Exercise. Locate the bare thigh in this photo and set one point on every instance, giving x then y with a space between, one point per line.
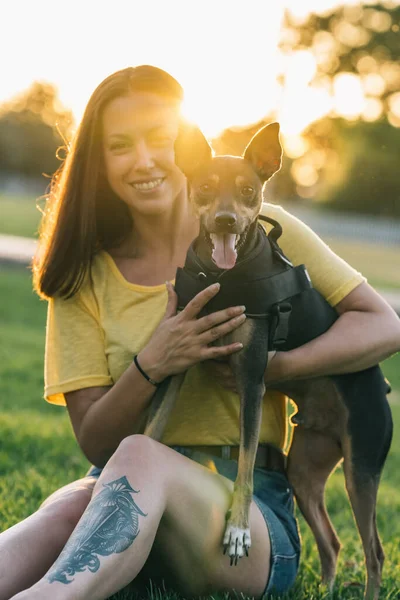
188 550
71 500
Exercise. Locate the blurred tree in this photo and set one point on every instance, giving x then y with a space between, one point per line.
351 163
361 174
32 127
362 40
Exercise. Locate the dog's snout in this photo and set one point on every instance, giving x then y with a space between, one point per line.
225 219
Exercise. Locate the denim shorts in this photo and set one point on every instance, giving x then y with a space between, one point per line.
274 497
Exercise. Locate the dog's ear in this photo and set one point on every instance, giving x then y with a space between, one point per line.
191 149
264 151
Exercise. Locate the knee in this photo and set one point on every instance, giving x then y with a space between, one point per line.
138 451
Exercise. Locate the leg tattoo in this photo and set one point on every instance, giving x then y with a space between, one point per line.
110 525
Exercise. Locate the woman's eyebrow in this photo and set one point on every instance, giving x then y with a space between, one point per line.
162 126
119 135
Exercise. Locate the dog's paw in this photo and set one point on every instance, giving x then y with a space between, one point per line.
236 542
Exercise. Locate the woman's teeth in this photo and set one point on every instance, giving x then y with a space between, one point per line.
148 185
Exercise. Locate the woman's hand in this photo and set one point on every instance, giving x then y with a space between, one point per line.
182 340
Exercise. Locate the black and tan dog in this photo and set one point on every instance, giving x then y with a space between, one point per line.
340 417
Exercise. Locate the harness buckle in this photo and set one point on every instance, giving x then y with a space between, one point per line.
280 325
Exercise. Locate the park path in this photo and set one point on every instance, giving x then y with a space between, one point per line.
14 249
20 250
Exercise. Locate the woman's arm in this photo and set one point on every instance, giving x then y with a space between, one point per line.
366 332
103 416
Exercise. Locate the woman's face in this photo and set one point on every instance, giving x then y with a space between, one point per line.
139 131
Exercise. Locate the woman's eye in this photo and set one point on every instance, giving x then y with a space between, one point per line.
119 146
247 190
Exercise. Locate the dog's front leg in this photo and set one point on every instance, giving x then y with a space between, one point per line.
161 405
237 538
249 367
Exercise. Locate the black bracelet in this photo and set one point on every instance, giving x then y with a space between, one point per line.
139 368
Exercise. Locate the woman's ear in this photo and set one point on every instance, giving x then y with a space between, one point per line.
264 151
191 149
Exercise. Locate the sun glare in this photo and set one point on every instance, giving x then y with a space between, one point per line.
301 101
236 107
230 66
348 99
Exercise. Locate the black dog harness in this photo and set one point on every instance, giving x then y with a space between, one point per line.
265 296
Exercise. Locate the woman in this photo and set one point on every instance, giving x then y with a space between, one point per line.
119 225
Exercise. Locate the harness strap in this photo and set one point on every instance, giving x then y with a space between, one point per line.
258 296
273 237
276 230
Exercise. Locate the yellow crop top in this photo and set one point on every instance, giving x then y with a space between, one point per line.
92 337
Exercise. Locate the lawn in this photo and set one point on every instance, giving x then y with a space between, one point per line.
38 452
19 215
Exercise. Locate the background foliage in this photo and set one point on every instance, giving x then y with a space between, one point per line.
343 161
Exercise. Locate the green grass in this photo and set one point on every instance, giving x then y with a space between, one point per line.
38 453
19 215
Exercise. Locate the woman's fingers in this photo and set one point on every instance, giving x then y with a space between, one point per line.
195 306
215 352
222 316
220 330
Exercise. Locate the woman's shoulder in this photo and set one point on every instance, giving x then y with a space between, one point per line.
92 283
269 210
277 212
290 224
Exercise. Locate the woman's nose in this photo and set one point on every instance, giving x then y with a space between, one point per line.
144 159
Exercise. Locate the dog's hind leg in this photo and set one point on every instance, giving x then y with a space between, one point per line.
311 459
362 489
365 448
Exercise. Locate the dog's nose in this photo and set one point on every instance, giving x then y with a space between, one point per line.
225 219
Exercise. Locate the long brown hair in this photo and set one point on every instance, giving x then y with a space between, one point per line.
83 214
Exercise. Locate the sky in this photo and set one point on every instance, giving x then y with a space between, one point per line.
223 52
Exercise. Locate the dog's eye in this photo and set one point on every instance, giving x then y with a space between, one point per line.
247 190
206 188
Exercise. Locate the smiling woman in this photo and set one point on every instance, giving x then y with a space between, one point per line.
129 141
139 133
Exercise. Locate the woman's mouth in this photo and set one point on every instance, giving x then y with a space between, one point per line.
144 186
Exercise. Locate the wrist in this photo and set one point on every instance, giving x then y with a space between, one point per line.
149 366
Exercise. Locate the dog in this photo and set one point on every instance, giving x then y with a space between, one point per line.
342 417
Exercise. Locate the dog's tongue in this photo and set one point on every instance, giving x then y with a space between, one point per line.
224 253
